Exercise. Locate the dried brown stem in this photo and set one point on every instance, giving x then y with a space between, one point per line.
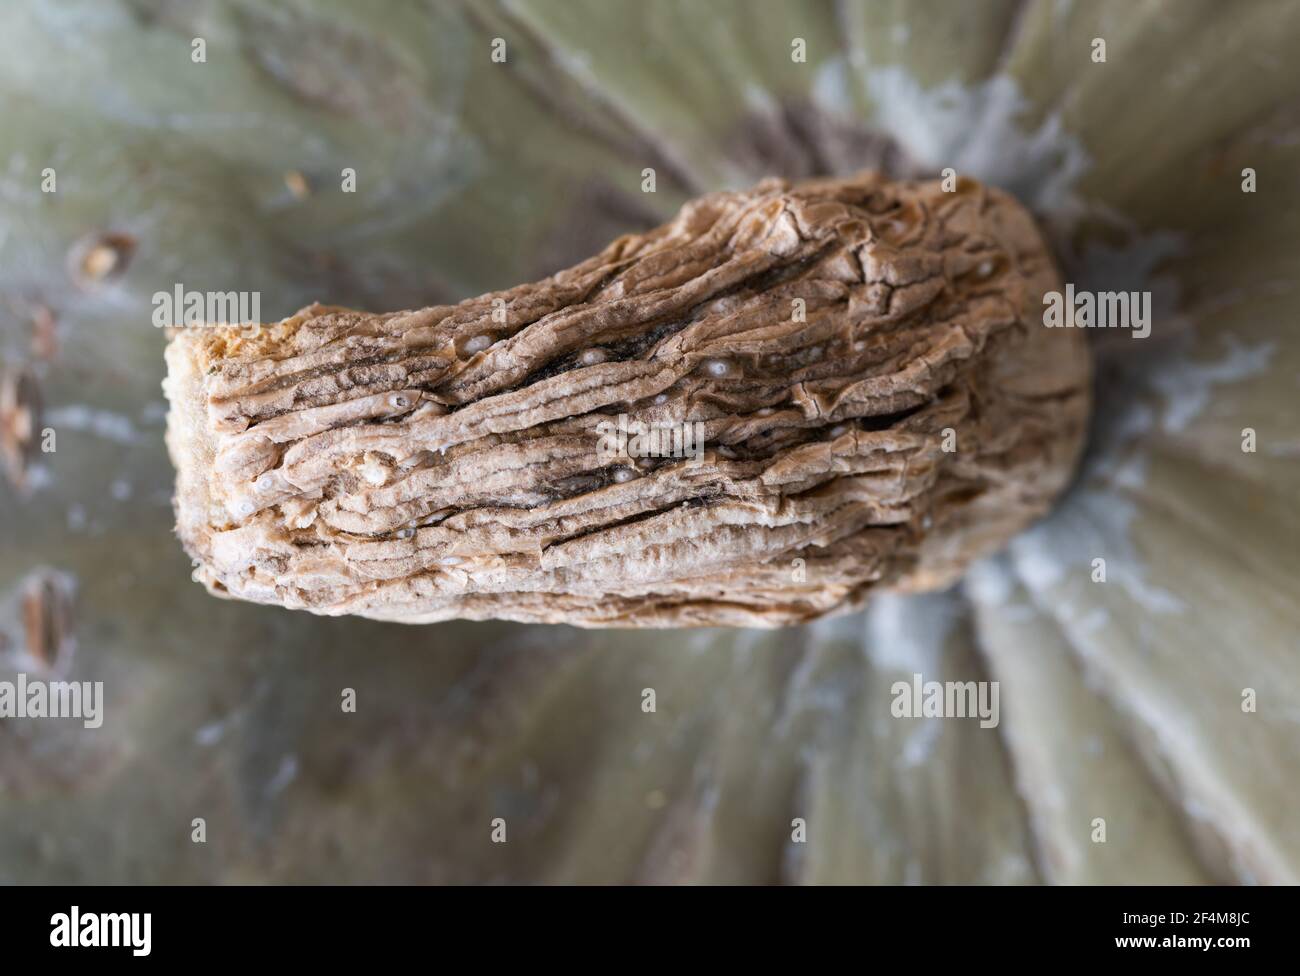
446 462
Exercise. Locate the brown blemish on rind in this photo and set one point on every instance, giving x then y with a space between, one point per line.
45 607
100 257
20 423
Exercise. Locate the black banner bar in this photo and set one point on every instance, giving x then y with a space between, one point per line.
336 925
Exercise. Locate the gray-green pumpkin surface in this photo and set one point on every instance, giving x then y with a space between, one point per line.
1143 636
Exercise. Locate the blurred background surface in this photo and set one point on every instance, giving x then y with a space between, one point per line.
1121 701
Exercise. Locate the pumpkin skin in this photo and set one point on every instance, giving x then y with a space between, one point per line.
1121 700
